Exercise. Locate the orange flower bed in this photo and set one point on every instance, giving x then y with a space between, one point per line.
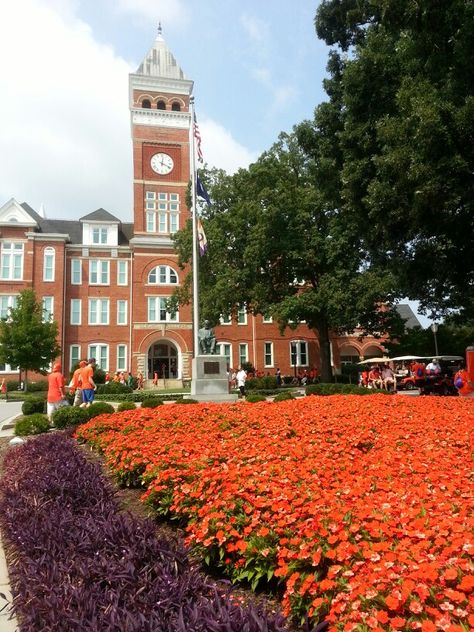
361 508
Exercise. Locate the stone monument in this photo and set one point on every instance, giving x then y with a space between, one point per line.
210 381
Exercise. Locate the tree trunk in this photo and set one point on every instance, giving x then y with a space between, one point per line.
324 350
25 387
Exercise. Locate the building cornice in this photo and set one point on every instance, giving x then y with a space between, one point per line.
147 241
161 84
48 236
160 118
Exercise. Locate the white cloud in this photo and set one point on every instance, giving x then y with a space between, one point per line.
221 150
65 134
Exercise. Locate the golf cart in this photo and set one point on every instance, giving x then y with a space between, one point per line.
441 383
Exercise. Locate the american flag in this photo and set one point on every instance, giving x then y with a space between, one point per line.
197 136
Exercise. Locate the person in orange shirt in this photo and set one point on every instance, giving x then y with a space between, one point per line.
375 378
75 385
464 383
87 383
56 395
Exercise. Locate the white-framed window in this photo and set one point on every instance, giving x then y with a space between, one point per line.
48 309
6 368
225 319
268 354
122 272
99 272
225 349
298 353
162 212
157 310
122 306
243 353
6 304
99 235
163 275
121 357
267 319
76 309
76 272
74 355
11 268
49 258
98 311
242 316
101 355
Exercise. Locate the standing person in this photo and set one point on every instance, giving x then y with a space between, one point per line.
463 382
56 394
3 389
75 384
278 377
87 383
241 378
140 381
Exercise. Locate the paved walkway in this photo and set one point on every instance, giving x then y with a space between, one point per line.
8 412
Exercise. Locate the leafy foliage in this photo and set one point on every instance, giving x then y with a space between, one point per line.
31 425
125 406
283 395
402 106
151 402
113 387
99 408
253 398
83 565
33 405
69 416
25 340
341 389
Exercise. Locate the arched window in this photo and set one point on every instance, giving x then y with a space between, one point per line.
163 275
146 104
176 106
161 105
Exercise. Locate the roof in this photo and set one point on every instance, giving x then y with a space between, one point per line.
160 61
408 316
100 215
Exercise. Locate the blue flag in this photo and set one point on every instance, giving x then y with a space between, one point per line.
201 191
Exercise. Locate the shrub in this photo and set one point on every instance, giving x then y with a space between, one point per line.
152 402
70 416
31 425
187 400
113 388
40 385
33 405
283 395
255 397
99 408
125 406
267 382
341 389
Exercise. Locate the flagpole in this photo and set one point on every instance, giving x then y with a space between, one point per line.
195 263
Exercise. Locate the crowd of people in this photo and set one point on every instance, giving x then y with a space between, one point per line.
378 376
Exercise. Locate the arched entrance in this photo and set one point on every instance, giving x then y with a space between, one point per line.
164 360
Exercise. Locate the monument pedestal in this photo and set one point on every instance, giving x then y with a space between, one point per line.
210 382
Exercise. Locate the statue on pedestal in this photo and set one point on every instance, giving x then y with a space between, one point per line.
207 340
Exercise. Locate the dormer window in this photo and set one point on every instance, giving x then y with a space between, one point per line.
99 235
161 105
176 106
146 103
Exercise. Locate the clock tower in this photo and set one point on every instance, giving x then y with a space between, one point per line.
159 96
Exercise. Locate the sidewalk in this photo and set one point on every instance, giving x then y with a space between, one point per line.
8 412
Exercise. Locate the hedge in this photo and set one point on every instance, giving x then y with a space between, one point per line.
31 425
341 389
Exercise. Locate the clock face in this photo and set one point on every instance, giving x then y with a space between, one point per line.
162 163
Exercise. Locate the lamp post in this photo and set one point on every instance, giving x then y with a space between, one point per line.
434 329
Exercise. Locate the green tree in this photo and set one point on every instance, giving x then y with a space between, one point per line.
25 340
278 248
405 137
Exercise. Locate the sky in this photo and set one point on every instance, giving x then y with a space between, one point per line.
65 139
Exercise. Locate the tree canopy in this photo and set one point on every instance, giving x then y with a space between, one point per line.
26 341
401 83
278 248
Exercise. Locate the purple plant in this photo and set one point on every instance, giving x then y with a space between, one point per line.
77 563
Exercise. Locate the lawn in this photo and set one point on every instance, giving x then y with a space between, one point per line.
358 509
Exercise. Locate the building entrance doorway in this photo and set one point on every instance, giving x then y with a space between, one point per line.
163 361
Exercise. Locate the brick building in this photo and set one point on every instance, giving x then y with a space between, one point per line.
106 282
